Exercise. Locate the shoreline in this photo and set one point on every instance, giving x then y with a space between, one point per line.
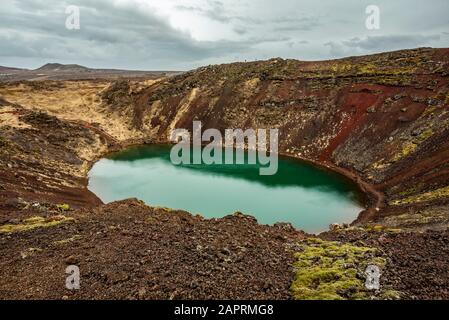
372 199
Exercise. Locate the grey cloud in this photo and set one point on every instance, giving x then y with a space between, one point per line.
296 24
108 33
216 11
291 44
338 50
240 30
390 42
120 34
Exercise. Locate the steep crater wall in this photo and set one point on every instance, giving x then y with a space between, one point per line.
383 118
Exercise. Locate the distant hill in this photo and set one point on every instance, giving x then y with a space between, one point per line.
55 67
10 70
58 71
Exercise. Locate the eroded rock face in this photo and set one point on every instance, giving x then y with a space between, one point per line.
45 158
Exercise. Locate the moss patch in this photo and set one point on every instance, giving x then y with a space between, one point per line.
369 228
380 228
427 196
410 146
29 252
424 217
33 223
332 271
68 240
63 207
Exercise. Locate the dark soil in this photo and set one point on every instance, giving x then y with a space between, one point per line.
126 250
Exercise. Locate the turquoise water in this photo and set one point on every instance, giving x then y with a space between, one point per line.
309 198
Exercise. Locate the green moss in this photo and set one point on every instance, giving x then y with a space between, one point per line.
391 295
429 110
68 240
410 146
341 68
422 197
33 223
367 69
329 271
375 68
29 252
423 216
409 191
370 228
63 207
406 149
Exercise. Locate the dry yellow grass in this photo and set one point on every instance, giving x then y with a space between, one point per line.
74 101
8 117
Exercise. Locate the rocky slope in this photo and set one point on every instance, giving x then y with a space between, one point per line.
382 120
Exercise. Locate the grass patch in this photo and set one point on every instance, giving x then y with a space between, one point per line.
370 228
333 271
68 240
63 207
33 223
29 252
427 196
410 146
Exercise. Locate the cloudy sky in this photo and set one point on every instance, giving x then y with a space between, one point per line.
184 34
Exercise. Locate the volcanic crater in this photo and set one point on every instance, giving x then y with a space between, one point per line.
381 120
